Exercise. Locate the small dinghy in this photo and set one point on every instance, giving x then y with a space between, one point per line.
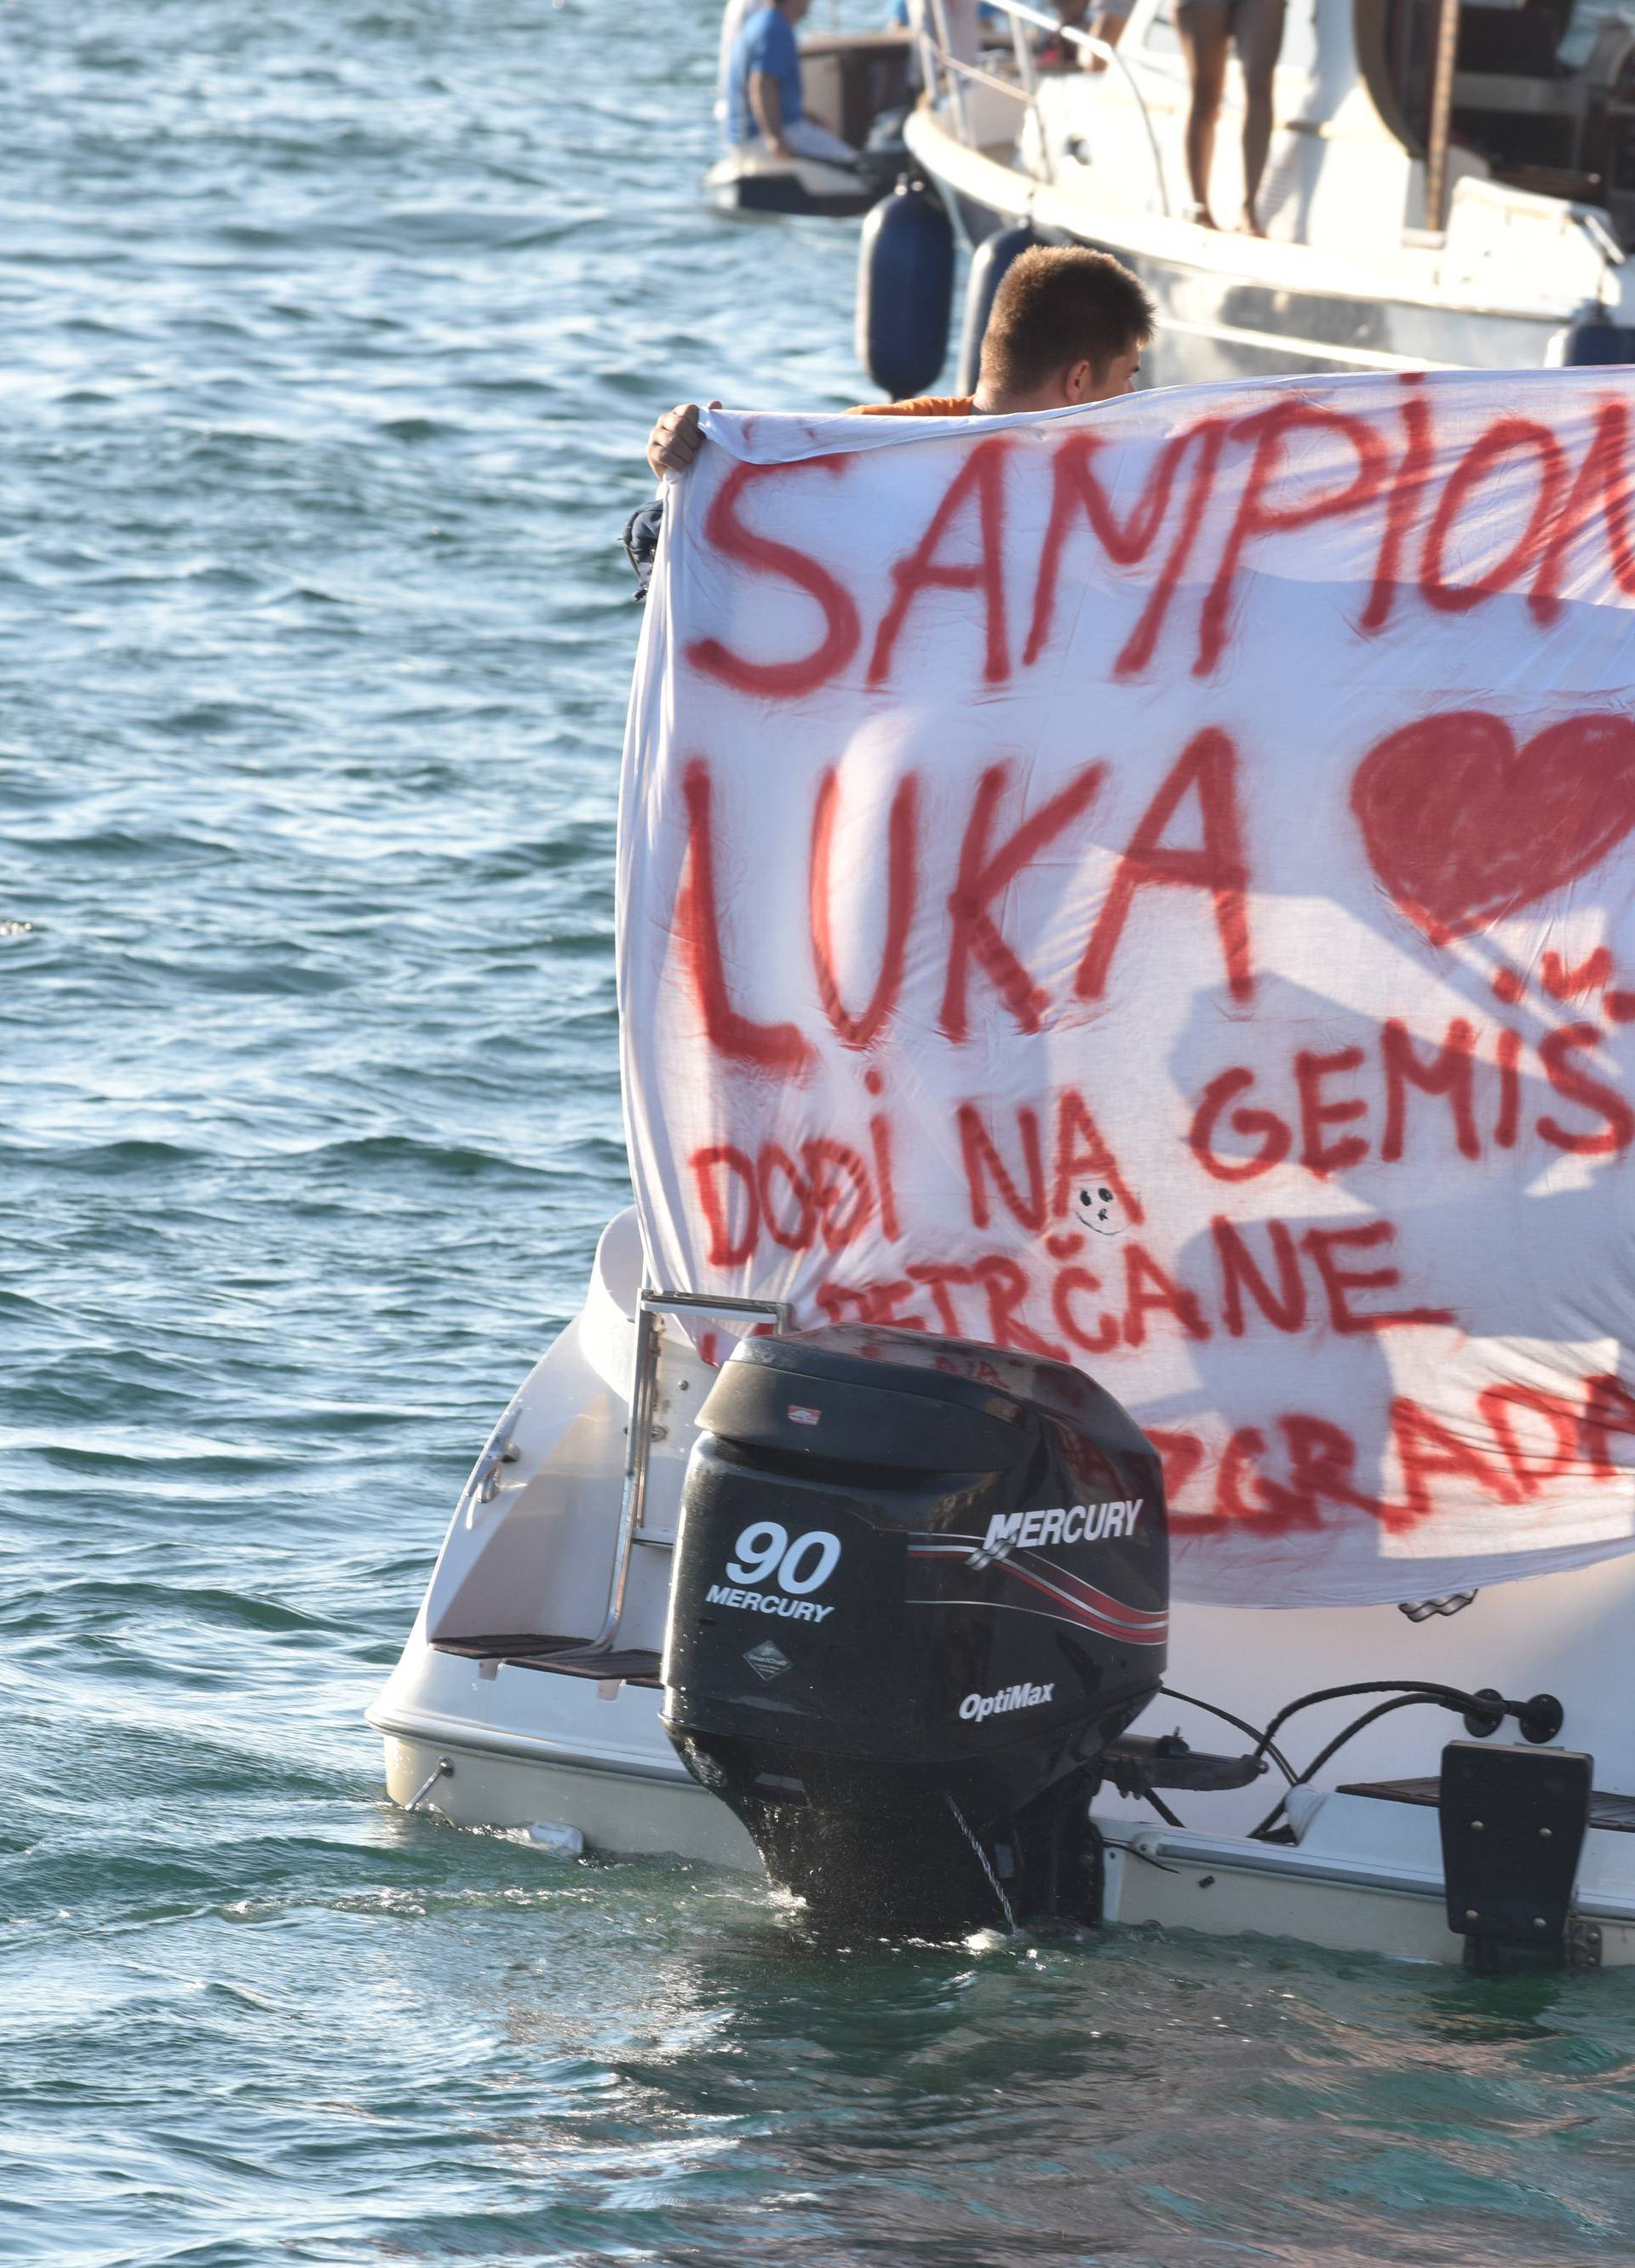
856 84
755 182
1117 1398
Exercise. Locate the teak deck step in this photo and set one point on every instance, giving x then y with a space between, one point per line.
570 1657
1614 1812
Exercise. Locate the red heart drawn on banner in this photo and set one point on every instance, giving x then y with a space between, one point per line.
1462 825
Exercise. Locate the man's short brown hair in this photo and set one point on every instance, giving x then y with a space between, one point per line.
1059 304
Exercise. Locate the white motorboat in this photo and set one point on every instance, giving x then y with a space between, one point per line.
1449 187
627 1637
531 1688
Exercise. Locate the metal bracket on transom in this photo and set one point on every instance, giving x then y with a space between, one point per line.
1513 1825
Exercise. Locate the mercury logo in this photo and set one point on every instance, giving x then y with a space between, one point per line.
978 1706
1073 1523
768 1602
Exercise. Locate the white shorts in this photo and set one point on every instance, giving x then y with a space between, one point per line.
808 139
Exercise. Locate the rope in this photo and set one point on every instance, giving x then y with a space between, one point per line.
994 1883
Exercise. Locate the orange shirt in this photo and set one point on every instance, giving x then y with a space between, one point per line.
924 405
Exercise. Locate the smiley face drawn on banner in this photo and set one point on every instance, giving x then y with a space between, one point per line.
1098 1207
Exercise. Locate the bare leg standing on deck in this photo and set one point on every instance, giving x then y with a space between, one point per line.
1203 27
1257 35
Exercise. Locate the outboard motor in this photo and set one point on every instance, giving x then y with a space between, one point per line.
920 1586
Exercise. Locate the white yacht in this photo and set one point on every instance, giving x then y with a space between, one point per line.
1449 186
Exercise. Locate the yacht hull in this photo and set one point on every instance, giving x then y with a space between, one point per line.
1216 318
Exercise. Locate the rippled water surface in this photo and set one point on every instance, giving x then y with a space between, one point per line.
331 331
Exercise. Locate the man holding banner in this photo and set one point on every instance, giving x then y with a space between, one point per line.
1192 935
1067 328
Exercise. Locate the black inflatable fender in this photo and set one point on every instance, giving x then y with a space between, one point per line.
990 265
1595 343
905 290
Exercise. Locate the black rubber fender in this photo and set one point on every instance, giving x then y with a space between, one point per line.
905 290
1596 344
990 265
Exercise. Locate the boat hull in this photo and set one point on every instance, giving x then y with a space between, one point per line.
618 1808
746 183
528 1743
1364 1878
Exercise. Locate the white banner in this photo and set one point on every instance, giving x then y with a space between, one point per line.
1153 885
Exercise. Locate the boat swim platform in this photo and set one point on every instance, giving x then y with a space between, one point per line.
1615 1813
569 1657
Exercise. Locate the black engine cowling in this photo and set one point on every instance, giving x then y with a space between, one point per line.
920 1586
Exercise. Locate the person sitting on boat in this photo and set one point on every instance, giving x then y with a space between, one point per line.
734 17
1066 328
1207 28
763 105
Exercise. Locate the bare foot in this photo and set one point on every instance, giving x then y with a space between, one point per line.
1250 224
1201 217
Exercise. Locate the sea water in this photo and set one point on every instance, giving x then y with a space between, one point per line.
331 332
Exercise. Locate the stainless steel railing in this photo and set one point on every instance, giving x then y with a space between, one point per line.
650 1306
946 74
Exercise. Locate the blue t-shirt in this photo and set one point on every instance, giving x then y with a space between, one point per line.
766 43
